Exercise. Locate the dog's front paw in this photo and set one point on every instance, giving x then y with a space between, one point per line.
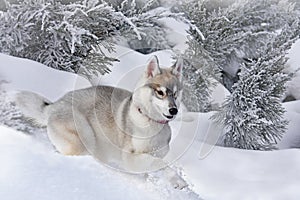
178 183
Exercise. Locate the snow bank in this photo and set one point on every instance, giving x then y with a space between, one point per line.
292 137
228 173
23 74
31 171
293 55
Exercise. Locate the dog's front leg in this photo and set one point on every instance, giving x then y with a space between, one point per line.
146 163
142 162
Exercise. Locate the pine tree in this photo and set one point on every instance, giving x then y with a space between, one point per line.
253 115
146 33
199 76
230 35
75 36
63 36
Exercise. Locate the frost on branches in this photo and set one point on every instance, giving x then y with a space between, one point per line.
232 35
144 31
75 36
61 36
253 115
199 74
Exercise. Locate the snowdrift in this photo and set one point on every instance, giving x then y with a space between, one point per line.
24 74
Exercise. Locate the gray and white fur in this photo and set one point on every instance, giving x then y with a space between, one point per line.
126 130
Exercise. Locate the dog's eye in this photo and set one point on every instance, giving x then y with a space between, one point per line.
160 93
175 94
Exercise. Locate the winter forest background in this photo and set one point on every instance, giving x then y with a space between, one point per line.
240 44
241 93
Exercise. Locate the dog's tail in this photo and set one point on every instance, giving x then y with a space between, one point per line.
33 106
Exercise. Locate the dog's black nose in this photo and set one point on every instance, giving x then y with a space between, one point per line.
173 111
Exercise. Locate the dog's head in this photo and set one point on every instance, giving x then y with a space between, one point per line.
159 91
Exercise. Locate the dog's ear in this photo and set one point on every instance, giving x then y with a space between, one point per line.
177 68
153 67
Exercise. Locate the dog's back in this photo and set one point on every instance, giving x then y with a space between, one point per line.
40 108
89 100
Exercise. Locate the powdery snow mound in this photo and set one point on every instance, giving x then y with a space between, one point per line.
24 74
32 171
293 55
235 174
291 138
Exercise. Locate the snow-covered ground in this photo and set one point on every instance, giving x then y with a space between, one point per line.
31 169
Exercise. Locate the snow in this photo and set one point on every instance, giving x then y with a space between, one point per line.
23 74
293 55
240 174
176 34
31 169
293 64
292 137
